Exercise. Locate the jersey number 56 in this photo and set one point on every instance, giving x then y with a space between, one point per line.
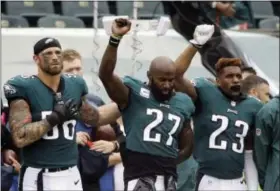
68 129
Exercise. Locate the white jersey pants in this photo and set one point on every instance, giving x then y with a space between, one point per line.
69 179
211 183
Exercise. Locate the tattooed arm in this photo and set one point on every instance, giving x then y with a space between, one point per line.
89 114
23 131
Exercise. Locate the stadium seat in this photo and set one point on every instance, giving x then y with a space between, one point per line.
56 21
125 8
29 8
151 10
8 21
261 10
84 10
271 23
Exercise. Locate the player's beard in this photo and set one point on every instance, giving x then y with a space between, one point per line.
52 70
156 91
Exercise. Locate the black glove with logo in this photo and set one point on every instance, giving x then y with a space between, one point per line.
63 112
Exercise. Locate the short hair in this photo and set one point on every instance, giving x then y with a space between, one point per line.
252 82
70 55
249 69
226 62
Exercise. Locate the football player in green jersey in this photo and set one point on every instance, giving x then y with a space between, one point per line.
257 87
43 113
267 145
222 120
156 119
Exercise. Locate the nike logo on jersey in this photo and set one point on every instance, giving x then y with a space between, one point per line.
232 111
76 182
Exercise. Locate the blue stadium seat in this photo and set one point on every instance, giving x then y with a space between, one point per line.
8 21
57 21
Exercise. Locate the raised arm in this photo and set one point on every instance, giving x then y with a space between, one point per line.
88 113
115 88
201 35
23 131
185 143
182 63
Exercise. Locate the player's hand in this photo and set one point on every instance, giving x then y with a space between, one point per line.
82 138
202 34
63 112
121 26
103 146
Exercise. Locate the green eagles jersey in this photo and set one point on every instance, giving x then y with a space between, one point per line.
152 127
58 147
267 145
220 127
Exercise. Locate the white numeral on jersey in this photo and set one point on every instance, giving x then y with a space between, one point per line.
156 122
222 128
245 127
67 127
214 135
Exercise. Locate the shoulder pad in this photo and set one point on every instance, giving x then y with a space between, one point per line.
131 82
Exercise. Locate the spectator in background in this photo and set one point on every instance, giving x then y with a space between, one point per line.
248 71
230 15
257 87
72 63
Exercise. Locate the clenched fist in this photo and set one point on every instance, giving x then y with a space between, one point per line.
121 26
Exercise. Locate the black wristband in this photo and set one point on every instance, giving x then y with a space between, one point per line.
53 119
114 41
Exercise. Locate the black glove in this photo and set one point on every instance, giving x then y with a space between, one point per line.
63 112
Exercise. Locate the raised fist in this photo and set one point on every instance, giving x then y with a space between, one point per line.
120 26
202 34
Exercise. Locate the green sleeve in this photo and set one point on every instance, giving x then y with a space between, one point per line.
84 87
15 88
262 142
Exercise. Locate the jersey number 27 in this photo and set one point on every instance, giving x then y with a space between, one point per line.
159 119
222 128
67 127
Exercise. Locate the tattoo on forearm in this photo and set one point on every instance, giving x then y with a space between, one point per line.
23 131
89 114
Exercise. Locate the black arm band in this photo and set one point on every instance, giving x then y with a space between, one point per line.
114 41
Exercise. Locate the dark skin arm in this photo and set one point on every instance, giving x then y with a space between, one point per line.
182 63
23 131
89 114
115 88
185 143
